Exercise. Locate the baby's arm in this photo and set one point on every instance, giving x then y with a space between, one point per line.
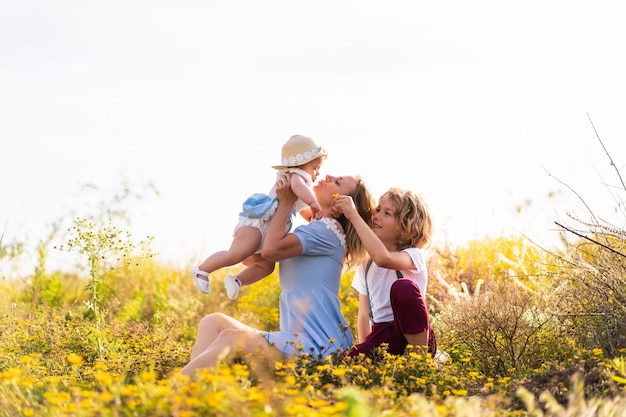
304 193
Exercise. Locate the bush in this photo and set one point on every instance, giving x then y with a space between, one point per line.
590 296
503 327
491 302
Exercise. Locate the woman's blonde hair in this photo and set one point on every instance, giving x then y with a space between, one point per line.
365 203
412 216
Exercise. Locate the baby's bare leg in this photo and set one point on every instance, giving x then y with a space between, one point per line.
245 243
257 271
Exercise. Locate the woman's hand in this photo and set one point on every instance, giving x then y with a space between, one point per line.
279 244
284 193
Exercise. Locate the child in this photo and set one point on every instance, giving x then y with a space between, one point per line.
301 156
392 284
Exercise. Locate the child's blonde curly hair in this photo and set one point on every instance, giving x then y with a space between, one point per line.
412 216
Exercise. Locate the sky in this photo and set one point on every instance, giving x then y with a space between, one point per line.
487 108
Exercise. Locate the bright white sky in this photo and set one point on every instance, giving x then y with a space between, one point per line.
478 105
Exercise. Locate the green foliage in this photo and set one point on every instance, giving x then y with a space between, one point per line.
258 303
52 289
349 300
619 364
577 404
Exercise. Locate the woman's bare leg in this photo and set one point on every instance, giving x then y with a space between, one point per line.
221 337
209 329
228 343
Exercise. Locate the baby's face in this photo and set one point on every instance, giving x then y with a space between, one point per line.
313 167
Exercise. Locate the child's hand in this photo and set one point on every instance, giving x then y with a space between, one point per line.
316 210
344 204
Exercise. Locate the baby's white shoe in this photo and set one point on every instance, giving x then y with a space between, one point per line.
203 284
232 285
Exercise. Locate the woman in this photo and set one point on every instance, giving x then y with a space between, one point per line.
311 263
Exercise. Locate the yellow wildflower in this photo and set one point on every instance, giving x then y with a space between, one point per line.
74 359
24 360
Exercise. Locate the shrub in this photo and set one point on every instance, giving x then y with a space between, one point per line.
503 327
590 297
491 302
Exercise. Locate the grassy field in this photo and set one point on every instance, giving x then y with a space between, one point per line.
528 332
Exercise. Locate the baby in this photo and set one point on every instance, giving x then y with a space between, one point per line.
302 157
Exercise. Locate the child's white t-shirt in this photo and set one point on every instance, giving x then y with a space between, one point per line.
379 281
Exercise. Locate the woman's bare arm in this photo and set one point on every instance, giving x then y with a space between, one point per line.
279 244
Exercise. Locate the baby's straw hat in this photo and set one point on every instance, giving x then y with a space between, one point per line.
299 150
